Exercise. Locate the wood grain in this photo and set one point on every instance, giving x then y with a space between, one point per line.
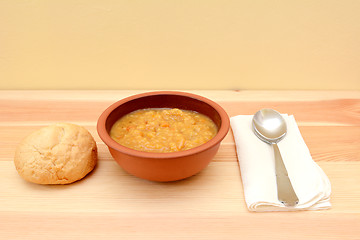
111 204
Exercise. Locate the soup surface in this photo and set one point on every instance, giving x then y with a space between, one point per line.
163 130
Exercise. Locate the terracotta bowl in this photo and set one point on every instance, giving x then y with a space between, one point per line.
163 167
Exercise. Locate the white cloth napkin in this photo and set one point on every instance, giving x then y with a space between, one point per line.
256 161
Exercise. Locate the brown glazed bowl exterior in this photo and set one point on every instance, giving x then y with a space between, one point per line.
163 167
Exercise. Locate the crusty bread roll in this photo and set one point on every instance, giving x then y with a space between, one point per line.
58 154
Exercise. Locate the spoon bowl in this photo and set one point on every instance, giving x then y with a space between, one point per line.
269 125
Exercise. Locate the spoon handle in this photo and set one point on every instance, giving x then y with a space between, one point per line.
286 193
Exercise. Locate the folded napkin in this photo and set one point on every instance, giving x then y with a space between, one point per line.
256 161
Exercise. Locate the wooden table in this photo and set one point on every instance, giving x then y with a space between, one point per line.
111 204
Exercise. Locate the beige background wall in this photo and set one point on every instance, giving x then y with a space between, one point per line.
162 44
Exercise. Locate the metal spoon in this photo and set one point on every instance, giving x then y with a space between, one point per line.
270 127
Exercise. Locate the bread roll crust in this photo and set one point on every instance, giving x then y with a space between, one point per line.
58 154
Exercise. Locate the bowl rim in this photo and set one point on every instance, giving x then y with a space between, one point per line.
105 137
